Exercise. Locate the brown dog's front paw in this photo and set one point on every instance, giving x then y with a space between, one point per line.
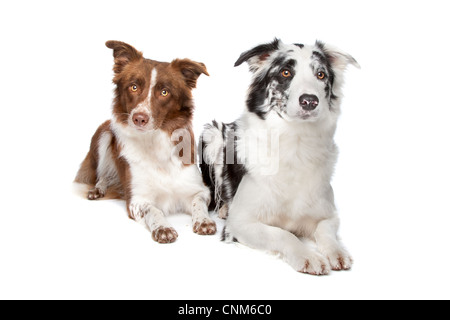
95 194
205 227
164 235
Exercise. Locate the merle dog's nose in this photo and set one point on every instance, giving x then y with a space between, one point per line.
309 102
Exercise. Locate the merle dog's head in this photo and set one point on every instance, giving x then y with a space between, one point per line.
297 82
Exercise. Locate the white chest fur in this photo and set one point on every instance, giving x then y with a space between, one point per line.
158 175
293 182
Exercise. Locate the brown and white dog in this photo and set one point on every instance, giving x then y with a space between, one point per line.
136 156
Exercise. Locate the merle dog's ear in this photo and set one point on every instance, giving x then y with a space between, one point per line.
257 55
123 54
337 58
190 70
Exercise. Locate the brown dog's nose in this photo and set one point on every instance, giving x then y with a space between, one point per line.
140 119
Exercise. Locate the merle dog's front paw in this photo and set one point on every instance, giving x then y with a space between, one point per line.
340 260
311 263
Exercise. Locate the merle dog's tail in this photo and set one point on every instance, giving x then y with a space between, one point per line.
211 163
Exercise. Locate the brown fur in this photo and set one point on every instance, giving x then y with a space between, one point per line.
169 113
88 169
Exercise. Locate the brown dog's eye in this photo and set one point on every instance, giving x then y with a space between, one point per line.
321 75
286 73
164 92
134 88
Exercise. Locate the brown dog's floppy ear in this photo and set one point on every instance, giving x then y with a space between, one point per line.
190 70
123 54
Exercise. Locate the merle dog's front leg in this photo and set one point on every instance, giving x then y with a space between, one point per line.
329 245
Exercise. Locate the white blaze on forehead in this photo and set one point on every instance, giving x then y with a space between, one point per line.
305 81
153 80
144 106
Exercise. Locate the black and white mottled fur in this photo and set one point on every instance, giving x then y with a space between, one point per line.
269 172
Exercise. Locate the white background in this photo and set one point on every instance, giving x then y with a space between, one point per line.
391 181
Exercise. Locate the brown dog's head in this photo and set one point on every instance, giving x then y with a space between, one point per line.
153 95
